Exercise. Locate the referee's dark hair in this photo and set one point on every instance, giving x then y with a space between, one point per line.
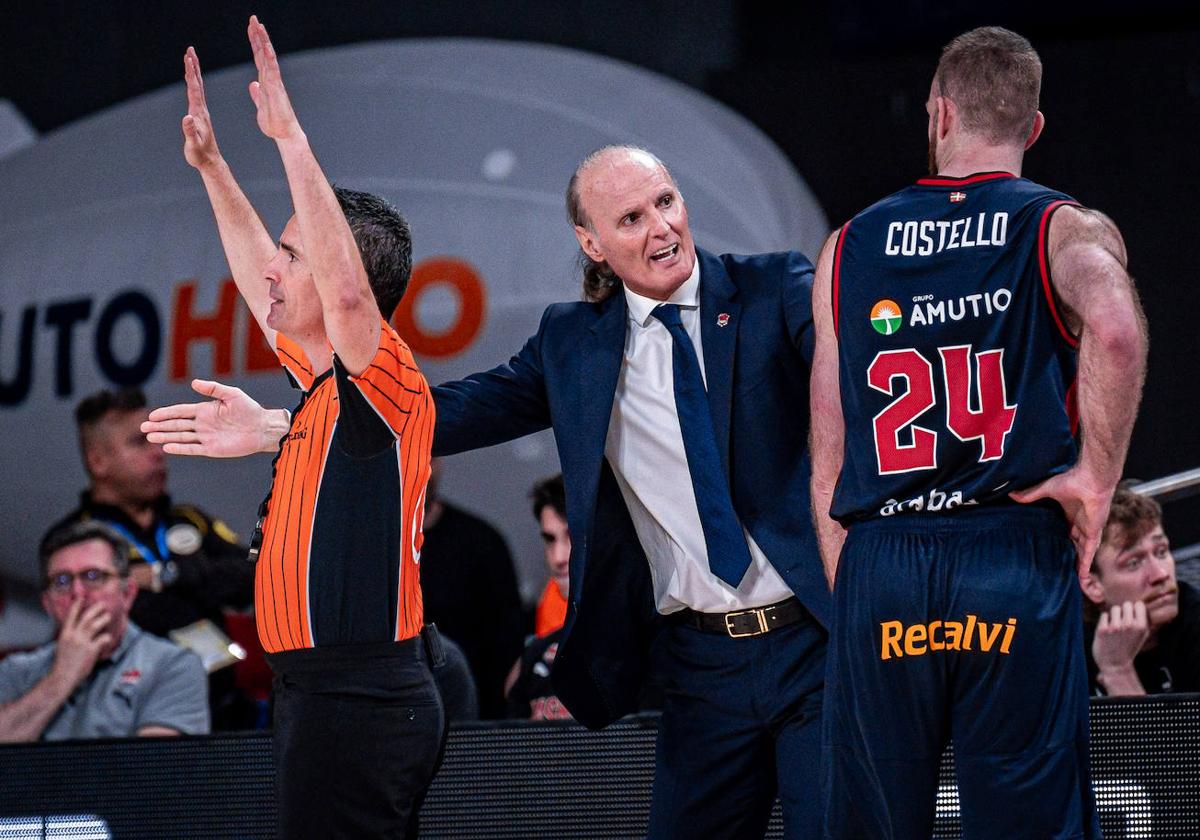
549 492
384 242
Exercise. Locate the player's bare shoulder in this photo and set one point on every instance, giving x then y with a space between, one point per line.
822 281
1075 229
1087 258
825 258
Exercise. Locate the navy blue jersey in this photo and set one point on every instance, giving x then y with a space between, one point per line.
956 369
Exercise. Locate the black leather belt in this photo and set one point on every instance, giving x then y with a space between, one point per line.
743 623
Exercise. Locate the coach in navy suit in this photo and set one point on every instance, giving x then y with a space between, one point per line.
678 395
681 431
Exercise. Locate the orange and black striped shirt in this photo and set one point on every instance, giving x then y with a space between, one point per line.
341 535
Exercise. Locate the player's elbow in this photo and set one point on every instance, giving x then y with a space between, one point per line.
1120 335
351 301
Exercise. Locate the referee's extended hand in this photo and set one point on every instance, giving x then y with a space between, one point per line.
229 425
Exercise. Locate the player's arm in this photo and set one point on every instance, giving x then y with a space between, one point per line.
1098 299
229 425
827 430
248 246
352 319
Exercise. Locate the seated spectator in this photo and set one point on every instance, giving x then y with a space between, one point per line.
103 677
550 510
469 589
530 694
188 566
1147 636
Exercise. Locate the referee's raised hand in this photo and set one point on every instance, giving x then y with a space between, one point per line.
275 115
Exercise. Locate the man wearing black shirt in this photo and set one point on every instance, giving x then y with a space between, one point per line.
470 592
1146 639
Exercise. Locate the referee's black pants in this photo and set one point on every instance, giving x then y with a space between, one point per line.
359 731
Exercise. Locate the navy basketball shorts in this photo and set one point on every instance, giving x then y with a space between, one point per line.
962 627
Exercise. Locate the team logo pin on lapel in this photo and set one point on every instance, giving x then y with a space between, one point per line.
723 319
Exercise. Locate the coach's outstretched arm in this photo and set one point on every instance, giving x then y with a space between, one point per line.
351 317
826 429
1088 270
248 246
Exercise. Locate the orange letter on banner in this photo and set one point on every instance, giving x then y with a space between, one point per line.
259 354
217 328
465 282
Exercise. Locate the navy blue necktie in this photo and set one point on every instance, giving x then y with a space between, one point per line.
728 555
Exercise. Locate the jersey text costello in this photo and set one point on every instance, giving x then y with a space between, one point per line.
925 237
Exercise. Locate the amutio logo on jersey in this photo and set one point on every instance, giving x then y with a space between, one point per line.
887 315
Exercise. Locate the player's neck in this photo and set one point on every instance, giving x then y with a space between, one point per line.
971 159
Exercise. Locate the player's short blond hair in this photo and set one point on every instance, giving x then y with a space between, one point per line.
994 76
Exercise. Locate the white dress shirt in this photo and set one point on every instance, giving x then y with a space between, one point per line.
645 450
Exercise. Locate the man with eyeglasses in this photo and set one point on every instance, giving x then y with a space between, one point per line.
103 676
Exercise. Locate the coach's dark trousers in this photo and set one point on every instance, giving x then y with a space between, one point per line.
740 725
358 733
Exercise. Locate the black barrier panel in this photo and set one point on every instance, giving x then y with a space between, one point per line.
523 780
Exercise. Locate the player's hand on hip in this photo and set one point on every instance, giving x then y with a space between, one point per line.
275 115
229 425
1084 500
199 142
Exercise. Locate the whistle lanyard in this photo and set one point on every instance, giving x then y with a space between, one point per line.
160 538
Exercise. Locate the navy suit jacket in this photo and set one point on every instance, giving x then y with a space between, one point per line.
565 378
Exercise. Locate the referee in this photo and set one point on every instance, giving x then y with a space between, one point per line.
358 720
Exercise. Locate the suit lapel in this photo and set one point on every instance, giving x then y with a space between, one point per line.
600 354
600 365
717 308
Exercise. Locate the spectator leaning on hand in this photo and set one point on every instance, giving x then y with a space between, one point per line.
188 566
1147 636
103 676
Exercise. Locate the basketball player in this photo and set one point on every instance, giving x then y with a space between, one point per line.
966 327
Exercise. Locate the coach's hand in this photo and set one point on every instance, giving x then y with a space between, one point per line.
1084 499
229 425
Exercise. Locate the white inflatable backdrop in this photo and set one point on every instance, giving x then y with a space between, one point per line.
473 140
